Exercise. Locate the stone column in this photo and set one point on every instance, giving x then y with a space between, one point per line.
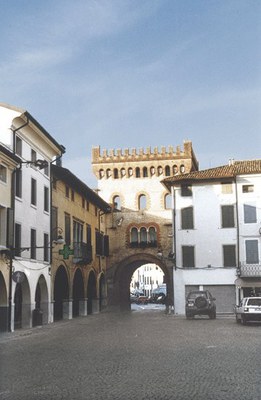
67 309
83 307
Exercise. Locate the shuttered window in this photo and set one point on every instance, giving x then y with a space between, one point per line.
229 255
252 252
187 218
228 219
249 214
188 258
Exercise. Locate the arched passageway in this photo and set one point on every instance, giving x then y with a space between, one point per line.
78 292
22 304
40 313
91 292
119 294
3 305
61 292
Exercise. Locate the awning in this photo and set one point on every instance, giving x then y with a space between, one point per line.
248 283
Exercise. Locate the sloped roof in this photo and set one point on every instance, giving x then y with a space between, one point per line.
225 171
80 187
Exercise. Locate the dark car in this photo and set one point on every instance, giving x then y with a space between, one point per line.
200 302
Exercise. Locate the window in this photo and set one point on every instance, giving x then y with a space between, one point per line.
229 255
145 172
152 236
72 195
152 171
142 202
247 188
160 171
101 173
187 218
249 214
188 260
18 146
46 199
115 173
123 172
182 169
167 170
46 170
252 252
87 206
17 240
175 169
67 192
3 173
167 201
46 247
117 202
108 173
89 234
67 224
228 220
137 172
18 183
226 188
186 190
143 236
33 244
130 172
33 155
134 236
77 232
54 223
33 192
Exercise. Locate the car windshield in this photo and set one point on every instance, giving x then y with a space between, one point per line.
194 295
254 302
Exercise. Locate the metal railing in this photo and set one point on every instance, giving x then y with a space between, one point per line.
250 270
82 253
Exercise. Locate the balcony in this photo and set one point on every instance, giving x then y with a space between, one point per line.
250 270
82 253
143 245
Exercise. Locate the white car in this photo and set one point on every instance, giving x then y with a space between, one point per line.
249 309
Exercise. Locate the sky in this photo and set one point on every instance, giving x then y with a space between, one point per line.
135 74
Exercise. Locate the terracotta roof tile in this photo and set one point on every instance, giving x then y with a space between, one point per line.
225 171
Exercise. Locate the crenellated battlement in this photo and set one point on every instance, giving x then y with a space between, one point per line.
136 155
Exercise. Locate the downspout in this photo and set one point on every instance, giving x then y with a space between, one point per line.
238 251
174 245
17 129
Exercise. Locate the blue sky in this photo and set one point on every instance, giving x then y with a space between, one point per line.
136 73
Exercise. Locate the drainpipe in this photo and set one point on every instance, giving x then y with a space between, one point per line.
17 129
238 251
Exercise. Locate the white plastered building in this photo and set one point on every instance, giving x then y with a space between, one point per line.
217 236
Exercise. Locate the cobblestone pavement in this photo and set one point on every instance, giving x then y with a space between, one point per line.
137 355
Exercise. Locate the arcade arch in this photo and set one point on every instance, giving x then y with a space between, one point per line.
78 292
61 292
22 304
119 296
91 292
3 304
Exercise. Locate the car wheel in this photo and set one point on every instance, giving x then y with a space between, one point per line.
243 319
201 302
189 316
212 315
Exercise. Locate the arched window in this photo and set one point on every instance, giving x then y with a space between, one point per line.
115 173
167 170
152 171
175 169
167 201
152 236
101 173
145 172
130 172
160 170
142 202
108 173
143 236
123 172
182 169
137 172
134 237
117 202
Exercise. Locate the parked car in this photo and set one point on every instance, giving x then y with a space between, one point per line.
249 309
200 303
142 300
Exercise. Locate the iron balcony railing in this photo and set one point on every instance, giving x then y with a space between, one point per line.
82 253
250 270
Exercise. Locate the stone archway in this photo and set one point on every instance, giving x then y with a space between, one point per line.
78 292
22 305
41 302
91 293
61 292
3 305
119 281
